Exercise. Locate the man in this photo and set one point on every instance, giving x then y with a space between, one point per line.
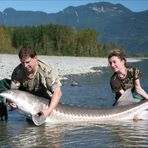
36 77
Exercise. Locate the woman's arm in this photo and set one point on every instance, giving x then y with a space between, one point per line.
139 89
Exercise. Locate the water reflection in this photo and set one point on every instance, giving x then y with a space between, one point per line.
120 134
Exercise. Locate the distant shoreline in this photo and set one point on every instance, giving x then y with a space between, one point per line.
65 65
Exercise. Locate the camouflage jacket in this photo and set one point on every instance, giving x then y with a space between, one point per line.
42 84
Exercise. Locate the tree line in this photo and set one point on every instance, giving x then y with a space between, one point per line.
54 40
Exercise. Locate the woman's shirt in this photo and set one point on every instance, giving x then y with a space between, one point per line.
128 82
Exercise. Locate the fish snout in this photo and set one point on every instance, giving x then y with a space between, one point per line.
38 118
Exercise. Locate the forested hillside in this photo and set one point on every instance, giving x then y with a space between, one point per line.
54 40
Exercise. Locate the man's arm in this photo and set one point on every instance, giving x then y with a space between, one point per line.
54 102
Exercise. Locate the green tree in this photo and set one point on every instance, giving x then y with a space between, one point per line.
5 40
87 43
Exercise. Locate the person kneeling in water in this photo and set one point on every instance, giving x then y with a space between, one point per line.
124 77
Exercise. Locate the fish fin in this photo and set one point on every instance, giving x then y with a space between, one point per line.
38 119
126 98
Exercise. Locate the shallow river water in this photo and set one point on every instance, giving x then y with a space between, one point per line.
93 91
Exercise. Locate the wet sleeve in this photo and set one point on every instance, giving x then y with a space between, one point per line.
52 80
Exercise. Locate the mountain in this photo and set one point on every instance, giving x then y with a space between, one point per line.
114 23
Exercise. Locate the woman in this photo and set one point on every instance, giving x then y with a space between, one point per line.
124 77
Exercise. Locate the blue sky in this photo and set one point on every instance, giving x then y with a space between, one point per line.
53 6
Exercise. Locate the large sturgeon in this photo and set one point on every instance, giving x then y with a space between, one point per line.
30 105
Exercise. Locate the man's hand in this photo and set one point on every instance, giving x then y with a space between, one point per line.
12 105
45 112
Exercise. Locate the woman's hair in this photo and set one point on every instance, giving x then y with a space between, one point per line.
118 53
27 51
